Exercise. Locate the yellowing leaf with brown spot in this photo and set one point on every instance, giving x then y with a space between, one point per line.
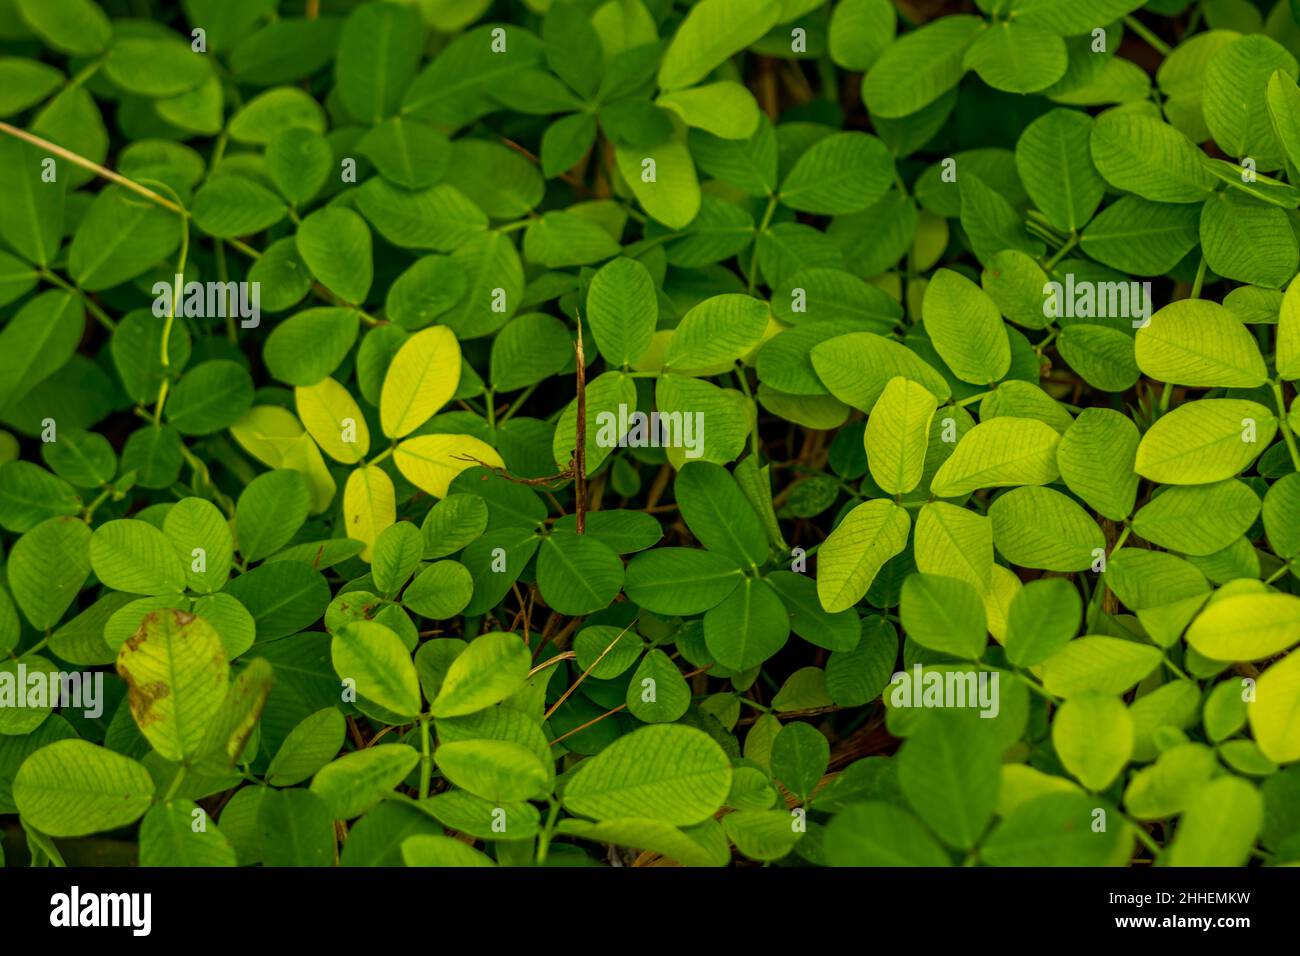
369 505
430 462
421 379
333 417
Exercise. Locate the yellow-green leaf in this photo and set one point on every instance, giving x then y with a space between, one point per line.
333 417
421 379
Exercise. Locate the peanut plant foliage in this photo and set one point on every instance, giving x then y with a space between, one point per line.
518 432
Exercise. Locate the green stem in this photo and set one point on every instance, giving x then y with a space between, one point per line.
176 783
758 234
1070 243
514 406
1284 425
176 302
100 315
1145 837
544 839
753 435
89 511
1199 280
1141 29
426 766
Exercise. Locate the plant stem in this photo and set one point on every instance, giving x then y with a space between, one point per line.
96 168
1284 425
1199 280
1142 30
1070 243
758 234
426 767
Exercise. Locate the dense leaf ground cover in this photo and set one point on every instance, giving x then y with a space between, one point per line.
462 432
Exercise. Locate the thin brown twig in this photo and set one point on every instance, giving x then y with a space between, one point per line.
583 676
94 167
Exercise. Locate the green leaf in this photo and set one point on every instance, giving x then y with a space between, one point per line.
1042 618
657 693
1097 664
78 27
37 342
231 206
33 220
662 177
156 66
47 567
294 828
335 245
897 435
725 109
1288 334
1201 344
1248 240
210 397
998 453
716 332
921 66
1198 519
716 511
966 329
492 667
949 771
1096 456
849 559
843 173
496 770
1093 736
269 513
440 591
177 677
622 310
577 574
1203 441
300 161
1219 825
1142 155
1141 237
1055 829
379 50
1246 627
130 555
431 849
1235 98
667 772
1053 159
355 782
860 31
880 834
202 541
377 663
713 31
944 614
1017 57
748 626
168 838
856 368
680 580
118 238
1037 527
1274 714
72 788
311 744
954 542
